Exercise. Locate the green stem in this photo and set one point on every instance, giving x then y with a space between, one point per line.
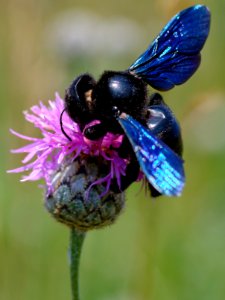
76 242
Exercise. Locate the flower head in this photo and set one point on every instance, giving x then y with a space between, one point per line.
78 172
46 154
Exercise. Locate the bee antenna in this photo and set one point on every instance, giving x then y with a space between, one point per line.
61 125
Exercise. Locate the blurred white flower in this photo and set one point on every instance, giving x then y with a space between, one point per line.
76 33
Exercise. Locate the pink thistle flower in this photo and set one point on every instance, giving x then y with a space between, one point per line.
46 155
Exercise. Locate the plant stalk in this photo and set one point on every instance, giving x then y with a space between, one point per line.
76 242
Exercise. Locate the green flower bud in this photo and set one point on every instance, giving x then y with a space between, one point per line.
73 203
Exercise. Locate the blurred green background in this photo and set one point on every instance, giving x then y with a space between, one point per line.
158 250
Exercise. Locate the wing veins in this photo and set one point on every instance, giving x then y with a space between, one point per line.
184 35
162 167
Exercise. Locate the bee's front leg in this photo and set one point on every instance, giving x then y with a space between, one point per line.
95 132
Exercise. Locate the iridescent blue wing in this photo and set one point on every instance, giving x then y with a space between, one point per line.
174 55
162 167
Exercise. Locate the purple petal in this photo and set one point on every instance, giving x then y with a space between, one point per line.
49 151
24 137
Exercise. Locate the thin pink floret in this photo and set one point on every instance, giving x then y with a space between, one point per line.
45 155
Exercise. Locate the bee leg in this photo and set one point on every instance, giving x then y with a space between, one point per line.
124 148
155 99
95 132
132 172
154 193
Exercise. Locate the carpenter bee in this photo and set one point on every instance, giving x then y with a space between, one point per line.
119 100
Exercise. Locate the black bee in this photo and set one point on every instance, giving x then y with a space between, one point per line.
120 101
